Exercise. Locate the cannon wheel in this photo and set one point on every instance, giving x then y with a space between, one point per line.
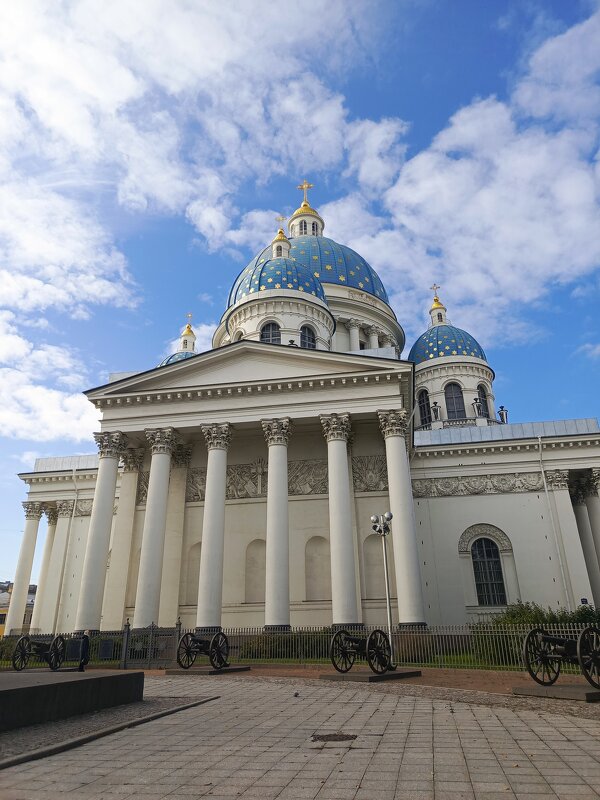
218 650
539 660
379 653
342 657
56 653
588 655
21 653
186 652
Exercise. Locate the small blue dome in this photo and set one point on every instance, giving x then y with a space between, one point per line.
264 273
442 341
180 356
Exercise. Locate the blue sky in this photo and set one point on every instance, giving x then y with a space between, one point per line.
144 158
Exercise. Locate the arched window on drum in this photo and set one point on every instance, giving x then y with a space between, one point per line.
483 401
308 339
270 333
424 407
487 568
455 403
303 227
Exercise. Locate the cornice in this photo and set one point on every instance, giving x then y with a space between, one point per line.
58 477
505 446
219 391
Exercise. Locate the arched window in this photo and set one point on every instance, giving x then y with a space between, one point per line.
440 318
303 227
270 333
308 338
278 251
424 407
185 344
487 568
455 404
315 229
482 394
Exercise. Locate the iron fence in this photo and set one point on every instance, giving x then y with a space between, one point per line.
476 646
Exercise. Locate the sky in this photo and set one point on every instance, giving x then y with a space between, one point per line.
144 158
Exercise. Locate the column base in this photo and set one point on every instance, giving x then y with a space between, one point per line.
348 626
277 628
208 630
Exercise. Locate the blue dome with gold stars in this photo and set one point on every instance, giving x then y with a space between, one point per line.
264 273
176 357
318 258
444 341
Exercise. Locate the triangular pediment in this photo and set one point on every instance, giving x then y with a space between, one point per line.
248 362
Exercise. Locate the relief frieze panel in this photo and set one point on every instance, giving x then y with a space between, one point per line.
142 487
478 484
369 473
307 477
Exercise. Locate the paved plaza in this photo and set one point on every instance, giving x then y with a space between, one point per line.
256 741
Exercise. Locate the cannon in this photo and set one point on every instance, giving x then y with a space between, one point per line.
544 654
345 647
192 645
53 653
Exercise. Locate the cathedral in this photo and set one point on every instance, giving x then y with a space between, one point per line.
235 487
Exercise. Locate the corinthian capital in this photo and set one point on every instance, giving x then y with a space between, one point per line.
393 423
277 431
162 440
64 508
132 459
33 510
51 515
218 436
336 426
558 479
352 323
110 443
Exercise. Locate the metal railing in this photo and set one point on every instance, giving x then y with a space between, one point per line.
475 646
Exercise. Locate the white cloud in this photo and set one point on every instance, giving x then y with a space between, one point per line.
590 350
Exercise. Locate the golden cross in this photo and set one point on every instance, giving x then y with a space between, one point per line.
189 317
434 288
281 219
304 186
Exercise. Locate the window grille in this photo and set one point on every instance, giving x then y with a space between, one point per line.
487 568
271 333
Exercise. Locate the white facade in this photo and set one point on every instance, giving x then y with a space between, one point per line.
236 487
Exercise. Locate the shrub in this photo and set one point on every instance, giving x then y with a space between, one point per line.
533 614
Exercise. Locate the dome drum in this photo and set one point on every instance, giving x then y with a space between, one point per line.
290 313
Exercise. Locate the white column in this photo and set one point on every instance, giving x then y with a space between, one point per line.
587 542
570 550
64 511
171 566
353 326
277 588
210 584
344 606
411 609
52 516
592 502
89 609
373 334
18 598
113 607
147 596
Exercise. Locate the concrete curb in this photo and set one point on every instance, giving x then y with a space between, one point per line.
69 744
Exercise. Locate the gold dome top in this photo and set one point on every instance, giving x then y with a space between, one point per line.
436 304
281 237
187 330
305 208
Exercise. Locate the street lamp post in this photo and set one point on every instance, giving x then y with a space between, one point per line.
381 526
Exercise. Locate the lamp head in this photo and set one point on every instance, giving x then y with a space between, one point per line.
388 516
374 519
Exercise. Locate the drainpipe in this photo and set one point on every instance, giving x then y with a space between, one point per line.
554 530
